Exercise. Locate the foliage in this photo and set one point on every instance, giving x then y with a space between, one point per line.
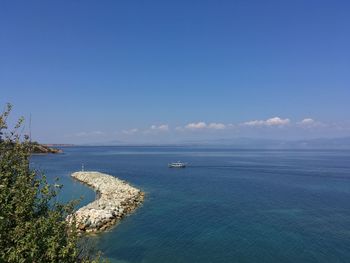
32 222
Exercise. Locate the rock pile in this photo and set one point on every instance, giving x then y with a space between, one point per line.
115 199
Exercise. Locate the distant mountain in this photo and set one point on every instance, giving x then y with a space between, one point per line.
107 143
325 143
247 143
256 143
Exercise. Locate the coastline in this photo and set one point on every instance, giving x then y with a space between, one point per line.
114 199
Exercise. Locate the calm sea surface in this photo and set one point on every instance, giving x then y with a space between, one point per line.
228 206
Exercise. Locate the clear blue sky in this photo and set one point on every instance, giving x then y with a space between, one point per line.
93 71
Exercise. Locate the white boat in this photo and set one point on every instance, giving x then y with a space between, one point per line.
177 164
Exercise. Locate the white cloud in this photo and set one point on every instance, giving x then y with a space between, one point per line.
202 126
275 121
216 126
253 123
310 123
162 127
196 126
306 122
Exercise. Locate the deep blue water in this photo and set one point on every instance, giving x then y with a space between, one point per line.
227 206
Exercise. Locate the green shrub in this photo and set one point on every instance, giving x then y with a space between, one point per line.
32 222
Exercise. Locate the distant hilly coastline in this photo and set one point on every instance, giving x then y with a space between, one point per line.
254 143
38 148
247 143
58 145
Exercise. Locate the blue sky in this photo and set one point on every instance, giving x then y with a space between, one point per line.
165 71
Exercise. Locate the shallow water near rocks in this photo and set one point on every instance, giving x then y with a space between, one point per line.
229 205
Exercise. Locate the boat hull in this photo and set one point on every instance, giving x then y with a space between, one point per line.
177 165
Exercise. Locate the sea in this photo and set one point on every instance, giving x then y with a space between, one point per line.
228 205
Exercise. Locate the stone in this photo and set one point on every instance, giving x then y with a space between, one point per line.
115 199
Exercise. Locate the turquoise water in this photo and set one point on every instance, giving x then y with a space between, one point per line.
227 206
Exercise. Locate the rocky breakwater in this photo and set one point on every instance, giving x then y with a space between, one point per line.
115 199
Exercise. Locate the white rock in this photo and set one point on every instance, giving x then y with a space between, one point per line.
115 198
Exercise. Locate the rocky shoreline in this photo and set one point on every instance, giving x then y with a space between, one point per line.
115 199
43 149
